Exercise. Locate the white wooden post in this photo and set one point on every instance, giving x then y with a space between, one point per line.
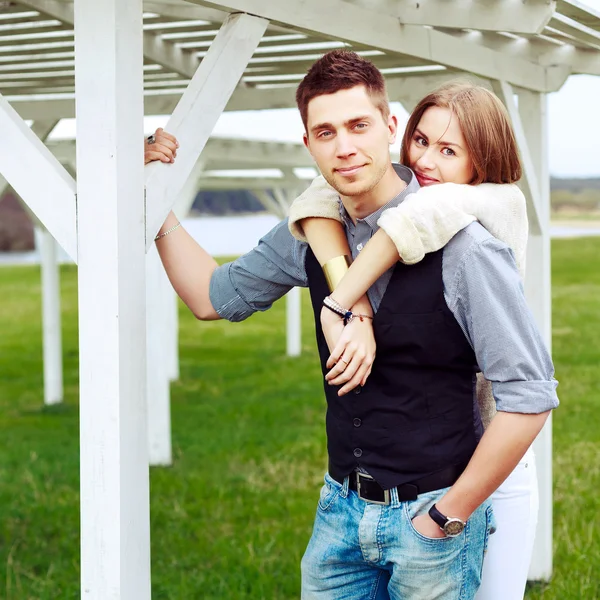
158 353
533 111
279 204
171 303
115 523
294 325
51 321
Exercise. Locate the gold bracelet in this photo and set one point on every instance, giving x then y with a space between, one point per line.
335 269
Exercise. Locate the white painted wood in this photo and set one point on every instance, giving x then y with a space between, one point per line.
338 19
513 16
51 193
155 49
242 98
278 202
159 350
198 111
294 322
51 317
115 521
42 129
529 183
534 116
244 183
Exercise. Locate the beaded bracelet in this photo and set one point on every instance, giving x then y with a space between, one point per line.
347 315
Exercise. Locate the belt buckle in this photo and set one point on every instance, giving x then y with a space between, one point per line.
386 493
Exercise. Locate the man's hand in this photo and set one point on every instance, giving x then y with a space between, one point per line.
427 527
164 147
352 356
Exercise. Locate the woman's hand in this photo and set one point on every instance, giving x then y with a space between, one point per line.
353 351
160 146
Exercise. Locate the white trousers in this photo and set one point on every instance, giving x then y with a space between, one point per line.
506 564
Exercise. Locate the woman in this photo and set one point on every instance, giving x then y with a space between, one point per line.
460 145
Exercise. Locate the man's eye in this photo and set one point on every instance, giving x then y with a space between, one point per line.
360 126
324 134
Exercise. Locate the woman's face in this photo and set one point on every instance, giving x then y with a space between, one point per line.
438 153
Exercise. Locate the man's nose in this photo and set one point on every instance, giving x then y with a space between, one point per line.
345 146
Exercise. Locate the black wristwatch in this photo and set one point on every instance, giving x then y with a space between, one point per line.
451 526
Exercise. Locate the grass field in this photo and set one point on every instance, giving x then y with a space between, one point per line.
231 518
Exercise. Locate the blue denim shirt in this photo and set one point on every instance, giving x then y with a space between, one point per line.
482 288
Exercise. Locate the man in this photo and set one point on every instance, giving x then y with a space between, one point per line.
404 510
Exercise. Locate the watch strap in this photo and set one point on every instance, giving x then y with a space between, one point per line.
438 517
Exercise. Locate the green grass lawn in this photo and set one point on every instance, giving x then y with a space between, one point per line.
231 518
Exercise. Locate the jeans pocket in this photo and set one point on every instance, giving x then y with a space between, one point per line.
329 492
420 506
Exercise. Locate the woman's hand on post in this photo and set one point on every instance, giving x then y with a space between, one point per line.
351 359
160 146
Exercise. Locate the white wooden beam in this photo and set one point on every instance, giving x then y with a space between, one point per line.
338 19
51 193
243 98
41 128
575 31
513 16
244 183
530 183
155 49
250 152
198 111
538 289
114 480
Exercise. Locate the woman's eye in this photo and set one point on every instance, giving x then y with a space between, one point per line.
420 141
448 152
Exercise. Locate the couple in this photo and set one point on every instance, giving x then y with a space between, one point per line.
405 511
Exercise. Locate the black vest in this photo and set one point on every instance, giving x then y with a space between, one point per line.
415 414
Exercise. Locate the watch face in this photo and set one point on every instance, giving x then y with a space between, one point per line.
453 527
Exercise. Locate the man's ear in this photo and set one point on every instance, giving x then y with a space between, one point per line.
392 128
305 140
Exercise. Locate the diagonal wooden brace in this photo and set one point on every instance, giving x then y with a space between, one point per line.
37 176
197 113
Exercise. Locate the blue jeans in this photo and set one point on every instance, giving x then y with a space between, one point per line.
364 551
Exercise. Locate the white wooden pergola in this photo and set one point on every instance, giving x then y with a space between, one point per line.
108 62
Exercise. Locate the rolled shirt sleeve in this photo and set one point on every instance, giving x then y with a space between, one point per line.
487 298
254 281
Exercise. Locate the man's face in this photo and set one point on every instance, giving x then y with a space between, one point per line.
349 140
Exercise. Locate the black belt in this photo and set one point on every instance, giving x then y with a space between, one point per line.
368 489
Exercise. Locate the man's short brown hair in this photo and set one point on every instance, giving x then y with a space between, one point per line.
341 70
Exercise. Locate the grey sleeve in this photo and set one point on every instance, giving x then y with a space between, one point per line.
487 298
254 281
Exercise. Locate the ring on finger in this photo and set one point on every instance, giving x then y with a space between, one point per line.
151 139
344 361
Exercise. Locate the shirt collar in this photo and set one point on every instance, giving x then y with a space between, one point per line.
412 186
